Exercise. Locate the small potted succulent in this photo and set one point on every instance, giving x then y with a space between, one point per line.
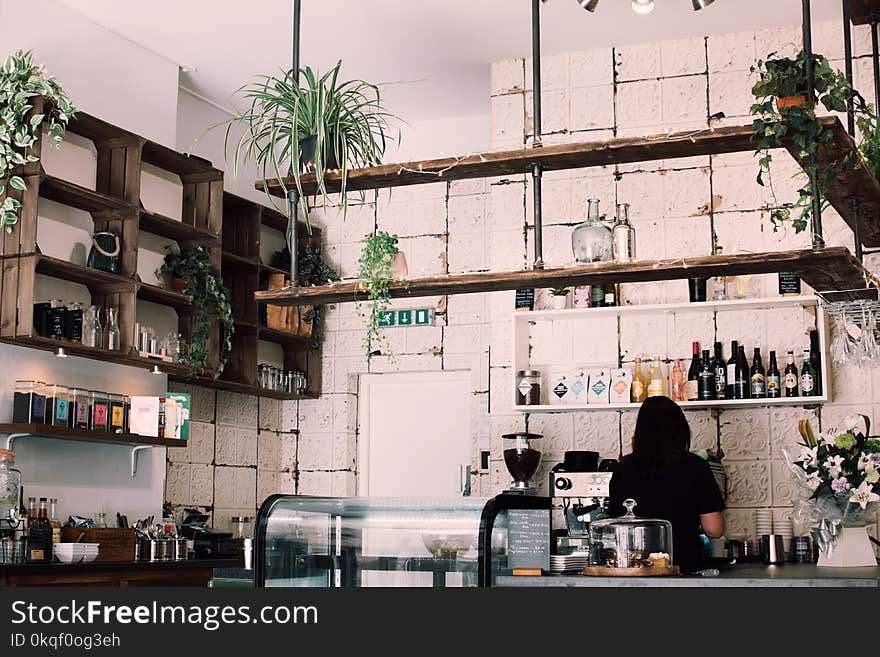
559 298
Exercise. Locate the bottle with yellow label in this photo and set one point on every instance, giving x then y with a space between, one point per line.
656 381
639 384
53 520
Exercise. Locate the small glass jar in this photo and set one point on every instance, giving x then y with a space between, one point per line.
60 406
74 322
29 402
81 408
117 413
57 319
100 410
528 388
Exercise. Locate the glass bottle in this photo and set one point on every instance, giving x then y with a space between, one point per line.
731 369
111 334
791 380
53 520
676 382
623 236
639 385
591 240
74 322
808 376
91 329
774 381
758 377
718 284
32 512
706 380
691 388
741 383
720 367
657 382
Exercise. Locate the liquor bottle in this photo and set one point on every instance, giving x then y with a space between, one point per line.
597 296
676 382
741 383
706 381
691 388
32 512
731 369
657 382
808 376
791 382
43 515
639 385
774 381
623 236
591 240
53 520
719 365
816 360
609 293
758 377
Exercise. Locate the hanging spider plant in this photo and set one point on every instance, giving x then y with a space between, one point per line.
342 123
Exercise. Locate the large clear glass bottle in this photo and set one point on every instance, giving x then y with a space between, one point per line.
591 240
111 333
623 236
91 330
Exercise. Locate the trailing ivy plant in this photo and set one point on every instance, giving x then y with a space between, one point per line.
376 262
312 270
21 81
208 295
794 121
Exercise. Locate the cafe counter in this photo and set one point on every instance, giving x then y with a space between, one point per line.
189 572
747 575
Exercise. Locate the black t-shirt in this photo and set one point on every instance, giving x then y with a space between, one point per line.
679 493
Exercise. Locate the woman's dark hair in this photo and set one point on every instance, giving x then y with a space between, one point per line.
662 434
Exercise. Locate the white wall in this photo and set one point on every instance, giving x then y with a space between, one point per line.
118 81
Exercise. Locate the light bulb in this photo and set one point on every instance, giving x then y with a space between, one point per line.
643 6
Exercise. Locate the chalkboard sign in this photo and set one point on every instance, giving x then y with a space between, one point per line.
789 283
528 538
525 298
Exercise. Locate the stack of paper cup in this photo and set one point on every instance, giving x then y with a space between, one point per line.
764 522
784 528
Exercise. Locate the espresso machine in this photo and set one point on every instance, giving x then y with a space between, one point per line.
582 483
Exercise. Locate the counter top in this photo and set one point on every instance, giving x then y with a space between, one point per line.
747 575
57 568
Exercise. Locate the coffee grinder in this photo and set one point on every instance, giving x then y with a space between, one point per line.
583 485
522 456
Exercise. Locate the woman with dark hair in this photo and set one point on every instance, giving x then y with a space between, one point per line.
667 481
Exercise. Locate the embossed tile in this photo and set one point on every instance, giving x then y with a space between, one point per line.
177 483
783 428
344 484
316 414
557 429
315 451
704 432
591 67
344 451
749 483
270 411
201 485
746 326
286 483
269 451
289 448
236 409
202 403
739 523
642 336
315 483
683 329
745 434
597 431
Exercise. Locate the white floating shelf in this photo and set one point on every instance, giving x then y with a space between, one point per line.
720 404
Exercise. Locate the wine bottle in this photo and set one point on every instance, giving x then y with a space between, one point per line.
657 382
691 388
757 376
639 386
706 382
676 380
719 365
731 369
816 361
774 381
741 387
791 380
808 376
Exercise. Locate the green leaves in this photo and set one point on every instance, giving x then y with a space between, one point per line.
376 262
21 82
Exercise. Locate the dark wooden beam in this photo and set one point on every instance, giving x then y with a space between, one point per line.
861 10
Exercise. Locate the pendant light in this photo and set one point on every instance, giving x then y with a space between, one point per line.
589 5
643 6
700 4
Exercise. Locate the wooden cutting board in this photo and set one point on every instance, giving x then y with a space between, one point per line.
605 571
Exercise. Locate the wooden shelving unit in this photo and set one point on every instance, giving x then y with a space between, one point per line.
831 269
245 389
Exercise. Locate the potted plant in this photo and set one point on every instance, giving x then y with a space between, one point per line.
209 297
307 123
840 468
783 115
24 88
376 272
559 298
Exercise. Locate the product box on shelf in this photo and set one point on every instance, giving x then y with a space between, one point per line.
577 389
600 381
621 384
145 416
558 388
177 409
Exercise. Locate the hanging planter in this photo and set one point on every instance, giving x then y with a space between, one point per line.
309 155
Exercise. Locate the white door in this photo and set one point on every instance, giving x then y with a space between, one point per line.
415 434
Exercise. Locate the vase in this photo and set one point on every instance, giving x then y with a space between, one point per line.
591 240
558 302
399 268
851 550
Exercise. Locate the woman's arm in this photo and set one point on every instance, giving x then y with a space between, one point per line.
713 524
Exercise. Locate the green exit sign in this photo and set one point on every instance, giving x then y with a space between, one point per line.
411 317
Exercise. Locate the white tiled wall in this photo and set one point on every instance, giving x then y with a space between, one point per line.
477 225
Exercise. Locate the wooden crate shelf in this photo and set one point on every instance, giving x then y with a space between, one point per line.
831 270
621 150
276 220
282 337
245 389
94 279
178 231
861 10
232 261
180 163
164 297
99 131
79 197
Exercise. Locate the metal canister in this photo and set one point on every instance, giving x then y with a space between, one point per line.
153 553
180 549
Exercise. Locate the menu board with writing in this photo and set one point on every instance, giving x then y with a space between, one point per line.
525 298
528 538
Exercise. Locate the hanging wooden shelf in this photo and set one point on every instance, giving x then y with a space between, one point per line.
861 10
79 197
833 270
243 388
710 141
178 231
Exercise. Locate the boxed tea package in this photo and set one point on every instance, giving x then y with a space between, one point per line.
577 386
558 389
621 383
600 381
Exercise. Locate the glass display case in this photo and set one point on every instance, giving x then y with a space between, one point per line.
329 542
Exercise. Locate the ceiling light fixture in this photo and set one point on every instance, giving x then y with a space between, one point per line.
61 352
589 5
700 4
643 6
